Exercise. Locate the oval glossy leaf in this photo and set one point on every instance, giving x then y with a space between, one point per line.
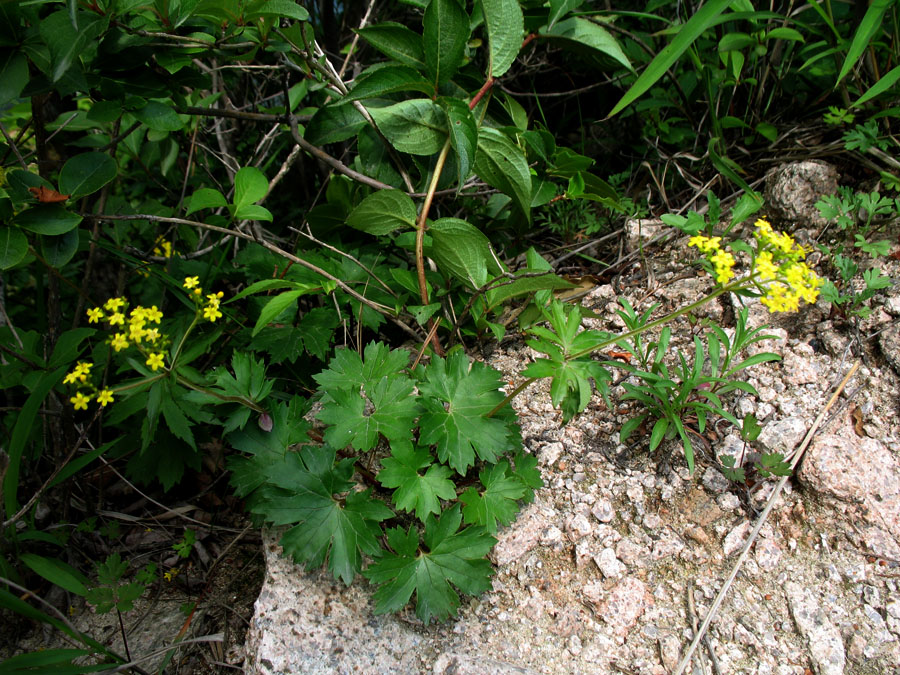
13 75
417 126
388 80
250 185
205 198
253 212
86 173
397 42
502 165
690 31
13 247
505 28
333 124
48 219
445 33
591 35
463 135
383 212
59 250
159 117
559 8
462 250
280 8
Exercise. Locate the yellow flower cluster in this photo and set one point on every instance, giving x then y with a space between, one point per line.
79 375
780 260
210 309
138 331
163 248
721 260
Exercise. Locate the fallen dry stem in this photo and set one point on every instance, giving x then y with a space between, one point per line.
710 615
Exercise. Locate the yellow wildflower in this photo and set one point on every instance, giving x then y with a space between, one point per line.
151 334
191 282
80 401
152 314
155 361
211 312
764 266
723 262
119 342
105 396
94 315
117 319
113 304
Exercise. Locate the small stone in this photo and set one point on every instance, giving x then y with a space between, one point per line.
871 595
578 527
548 455
610 566
624 605
639 231
768 553
631 553
652 521
603 510
574 645
670 651
734 540
551 535
793 189
784 435
800 368
715 481
728 501
826 648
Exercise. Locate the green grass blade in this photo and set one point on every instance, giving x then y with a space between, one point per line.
693 29
886 83
868 27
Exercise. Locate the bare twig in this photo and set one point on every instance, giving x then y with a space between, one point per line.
710 615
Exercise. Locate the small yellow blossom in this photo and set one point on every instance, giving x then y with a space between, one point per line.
191 282
152 314
211 312
119 342
170 574
113 304
155 361
151 334
94 315
117 319
136 332
723 262
105 396
764 266
705 244
80 401
70 377
198 291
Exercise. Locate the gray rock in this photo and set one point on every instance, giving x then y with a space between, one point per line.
793 189
450 663
735 539
578 527
624 604
715 481
860 471
639 231
783 436
889 341
826 649
523 534
603 510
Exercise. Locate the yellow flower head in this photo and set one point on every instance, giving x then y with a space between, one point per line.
94 315
105 396
155 361
151 334
119 342
211 312
765 267
191 282
113 304
80 401
152 314
117 319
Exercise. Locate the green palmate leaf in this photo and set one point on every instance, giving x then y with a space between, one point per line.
59 250
505 28
266 448
176 421
250 185
354 422
333 124
591 35
205 198
417 126
559 8
462 250
340 530
249 379
388 80
347 370
159 116
687 34
498 500
450 558
529 475
463 135
446 31
383 212
416 491
86 173
870 25
503 165
13 247
457 396
48 219
397 42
